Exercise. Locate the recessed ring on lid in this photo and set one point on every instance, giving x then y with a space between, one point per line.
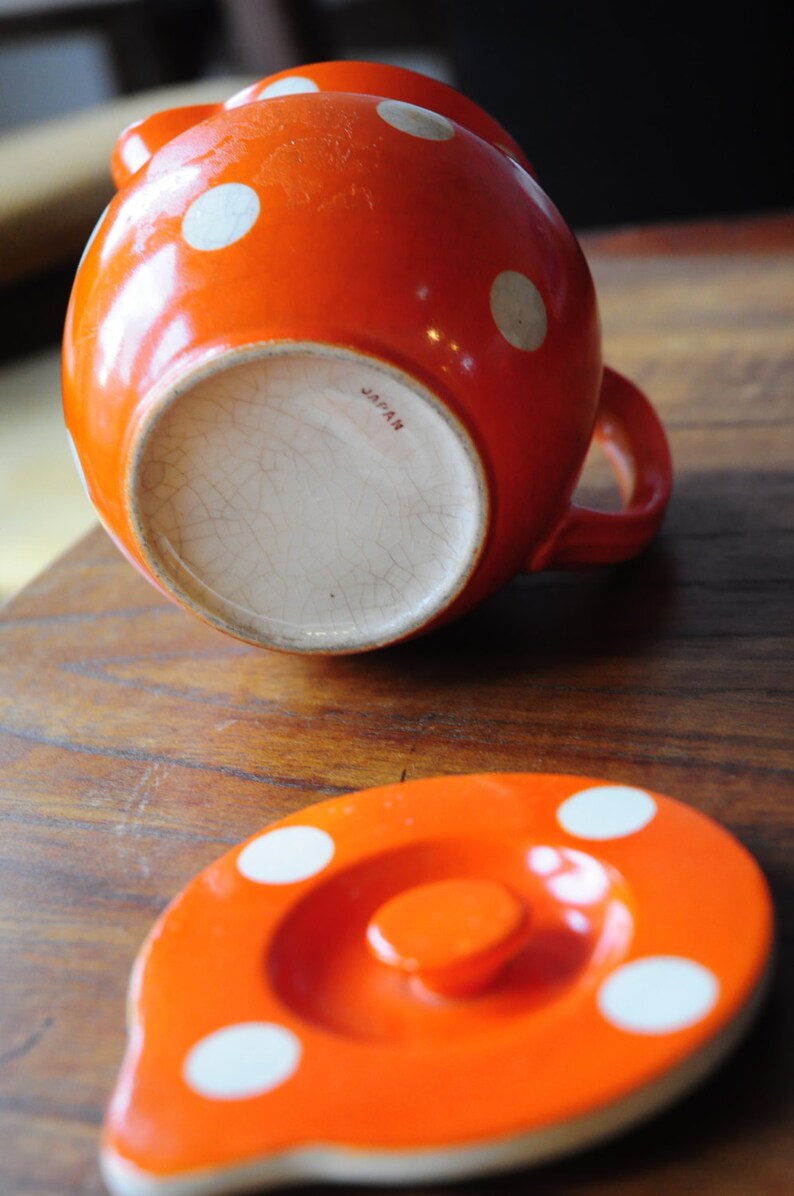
331 999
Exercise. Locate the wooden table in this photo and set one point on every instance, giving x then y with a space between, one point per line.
136 744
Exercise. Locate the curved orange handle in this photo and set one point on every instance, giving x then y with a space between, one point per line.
628 430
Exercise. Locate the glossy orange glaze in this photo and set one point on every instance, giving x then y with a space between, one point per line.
369 238
380 79
140 140
453 936
137 143
385 1065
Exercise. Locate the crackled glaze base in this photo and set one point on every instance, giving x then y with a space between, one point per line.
309 498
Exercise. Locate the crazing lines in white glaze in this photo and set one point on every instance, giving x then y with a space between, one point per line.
316 501
416 121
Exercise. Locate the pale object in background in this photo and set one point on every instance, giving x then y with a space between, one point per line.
54 181
54 177
42 505
76 65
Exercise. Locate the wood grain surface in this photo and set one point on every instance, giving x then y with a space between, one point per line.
136 744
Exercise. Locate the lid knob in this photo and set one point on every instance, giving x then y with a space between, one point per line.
452 935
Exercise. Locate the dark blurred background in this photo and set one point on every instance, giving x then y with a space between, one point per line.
629 111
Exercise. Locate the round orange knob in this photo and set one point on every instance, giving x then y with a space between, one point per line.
452 935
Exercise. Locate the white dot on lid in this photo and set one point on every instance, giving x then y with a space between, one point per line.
416 121
242 1060
606 812
221 216
518 310
286 855
290 85
658 995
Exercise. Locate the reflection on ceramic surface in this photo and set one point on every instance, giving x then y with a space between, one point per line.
339 263
329 1000
144 297
552 956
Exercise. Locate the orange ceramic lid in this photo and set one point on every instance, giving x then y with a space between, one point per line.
433 979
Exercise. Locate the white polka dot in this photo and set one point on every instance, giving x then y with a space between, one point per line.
290 85
417 122
286 855
658 995
606 812
220 216
518 310
243 1060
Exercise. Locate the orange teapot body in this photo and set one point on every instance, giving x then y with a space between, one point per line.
332 365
